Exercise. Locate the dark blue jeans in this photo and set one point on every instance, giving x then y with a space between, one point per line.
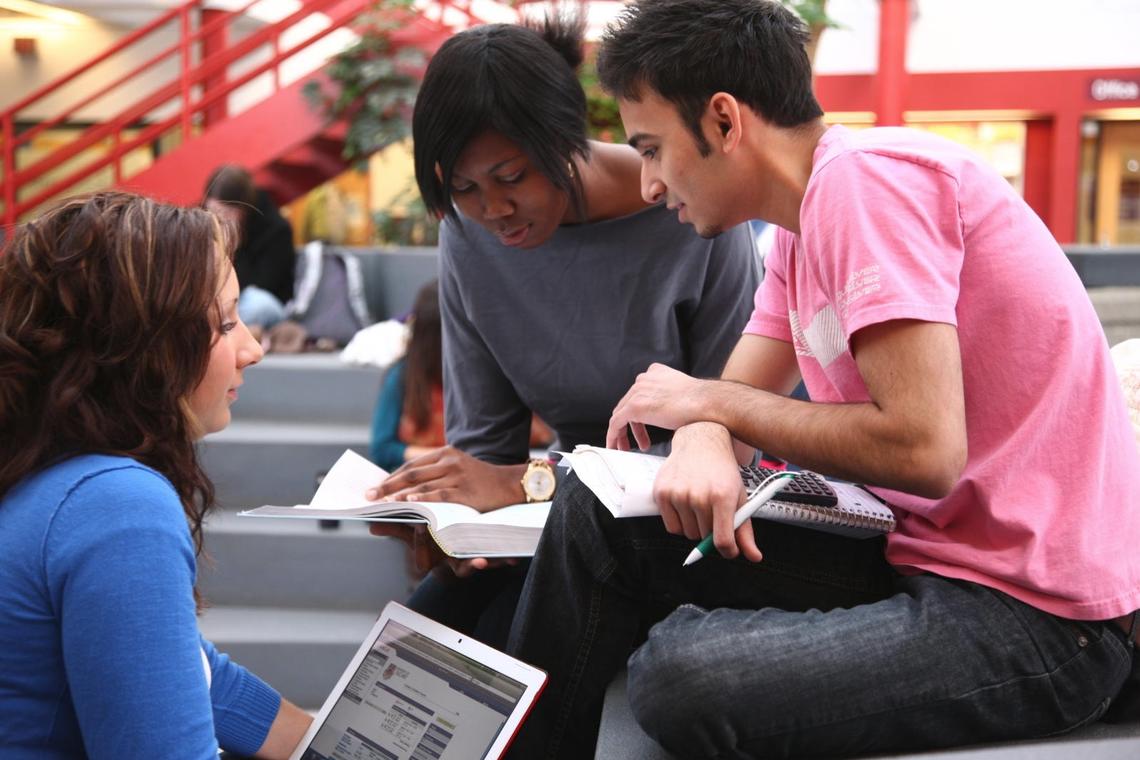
821 649
481 605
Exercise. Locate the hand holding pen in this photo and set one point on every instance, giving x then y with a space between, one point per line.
763 493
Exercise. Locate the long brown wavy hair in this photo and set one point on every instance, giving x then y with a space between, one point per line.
108 312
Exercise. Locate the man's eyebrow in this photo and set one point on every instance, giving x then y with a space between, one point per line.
638 138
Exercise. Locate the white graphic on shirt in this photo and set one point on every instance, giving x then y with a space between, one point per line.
823 339
798 340
859 285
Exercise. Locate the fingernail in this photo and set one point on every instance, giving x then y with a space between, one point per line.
373 493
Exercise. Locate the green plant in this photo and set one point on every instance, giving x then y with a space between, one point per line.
406 222
602 118
375 82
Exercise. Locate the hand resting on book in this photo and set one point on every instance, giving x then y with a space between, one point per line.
448 474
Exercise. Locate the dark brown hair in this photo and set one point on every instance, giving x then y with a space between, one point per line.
231 183
688 50
424 368
107 317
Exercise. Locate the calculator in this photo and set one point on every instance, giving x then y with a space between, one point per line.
805 488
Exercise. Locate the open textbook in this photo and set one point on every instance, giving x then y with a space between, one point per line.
623 481
460 531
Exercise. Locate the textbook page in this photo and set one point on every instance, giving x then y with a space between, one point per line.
346 483
460 530
622 480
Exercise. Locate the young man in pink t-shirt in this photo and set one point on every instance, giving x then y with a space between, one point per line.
954 364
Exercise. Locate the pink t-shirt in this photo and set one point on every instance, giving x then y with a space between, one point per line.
899 224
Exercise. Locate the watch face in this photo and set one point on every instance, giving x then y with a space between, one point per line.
539 483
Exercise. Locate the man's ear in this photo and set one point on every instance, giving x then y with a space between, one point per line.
724 113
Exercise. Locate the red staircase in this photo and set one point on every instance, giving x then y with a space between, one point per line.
281 139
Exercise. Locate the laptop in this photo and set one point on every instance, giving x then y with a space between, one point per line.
417 690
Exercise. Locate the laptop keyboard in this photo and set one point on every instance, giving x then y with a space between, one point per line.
805 488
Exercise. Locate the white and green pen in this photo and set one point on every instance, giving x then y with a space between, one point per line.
771 486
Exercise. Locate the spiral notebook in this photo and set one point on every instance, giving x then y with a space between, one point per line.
623 481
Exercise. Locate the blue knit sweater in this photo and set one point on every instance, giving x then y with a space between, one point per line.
100 655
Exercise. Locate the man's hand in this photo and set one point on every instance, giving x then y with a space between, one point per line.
448 474
426 554
661 396
699 489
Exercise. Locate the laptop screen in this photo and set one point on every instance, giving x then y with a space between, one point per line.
415 699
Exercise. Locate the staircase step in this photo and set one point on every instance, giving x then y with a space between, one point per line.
308 388
300 652
258 462
261 562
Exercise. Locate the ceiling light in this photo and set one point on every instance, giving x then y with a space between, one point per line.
41 10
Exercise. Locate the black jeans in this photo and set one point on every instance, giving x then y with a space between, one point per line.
821 649
482 605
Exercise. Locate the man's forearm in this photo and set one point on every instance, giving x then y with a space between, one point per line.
856 442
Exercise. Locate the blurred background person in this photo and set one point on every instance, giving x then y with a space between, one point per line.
265 259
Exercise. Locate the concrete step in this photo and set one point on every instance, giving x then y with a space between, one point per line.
300 652
262 562
308 388
267 462
1119 312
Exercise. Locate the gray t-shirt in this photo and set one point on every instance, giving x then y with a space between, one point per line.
564 329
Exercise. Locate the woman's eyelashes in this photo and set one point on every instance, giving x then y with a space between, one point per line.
509 179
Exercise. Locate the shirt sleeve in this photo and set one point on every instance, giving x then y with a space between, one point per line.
886 239
385 447
483 413
716 324
244 705
120 561
770 305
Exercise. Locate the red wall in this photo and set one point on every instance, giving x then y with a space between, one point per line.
1055 102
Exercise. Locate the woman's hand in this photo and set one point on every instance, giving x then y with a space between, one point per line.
448 474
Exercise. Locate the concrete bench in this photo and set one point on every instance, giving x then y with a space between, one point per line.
621 738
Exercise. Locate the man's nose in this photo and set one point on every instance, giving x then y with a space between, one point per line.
652 189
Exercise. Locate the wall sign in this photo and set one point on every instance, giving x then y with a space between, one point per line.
1115 89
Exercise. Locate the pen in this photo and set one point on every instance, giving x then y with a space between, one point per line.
761 496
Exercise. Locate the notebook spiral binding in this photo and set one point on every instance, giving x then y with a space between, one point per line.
829 516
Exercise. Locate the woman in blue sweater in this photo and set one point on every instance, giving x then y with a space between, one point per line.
120 347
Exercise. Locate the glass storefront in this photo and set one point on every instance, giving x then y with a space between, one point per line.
1109 212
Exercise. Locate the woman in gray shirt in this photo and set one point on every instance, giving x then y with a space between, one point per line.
558 285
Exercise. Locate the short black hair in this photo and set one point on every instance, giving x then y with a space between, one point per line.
514 80
688 50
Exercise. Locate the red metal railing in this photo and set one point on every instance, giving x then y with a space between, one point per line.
178 103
